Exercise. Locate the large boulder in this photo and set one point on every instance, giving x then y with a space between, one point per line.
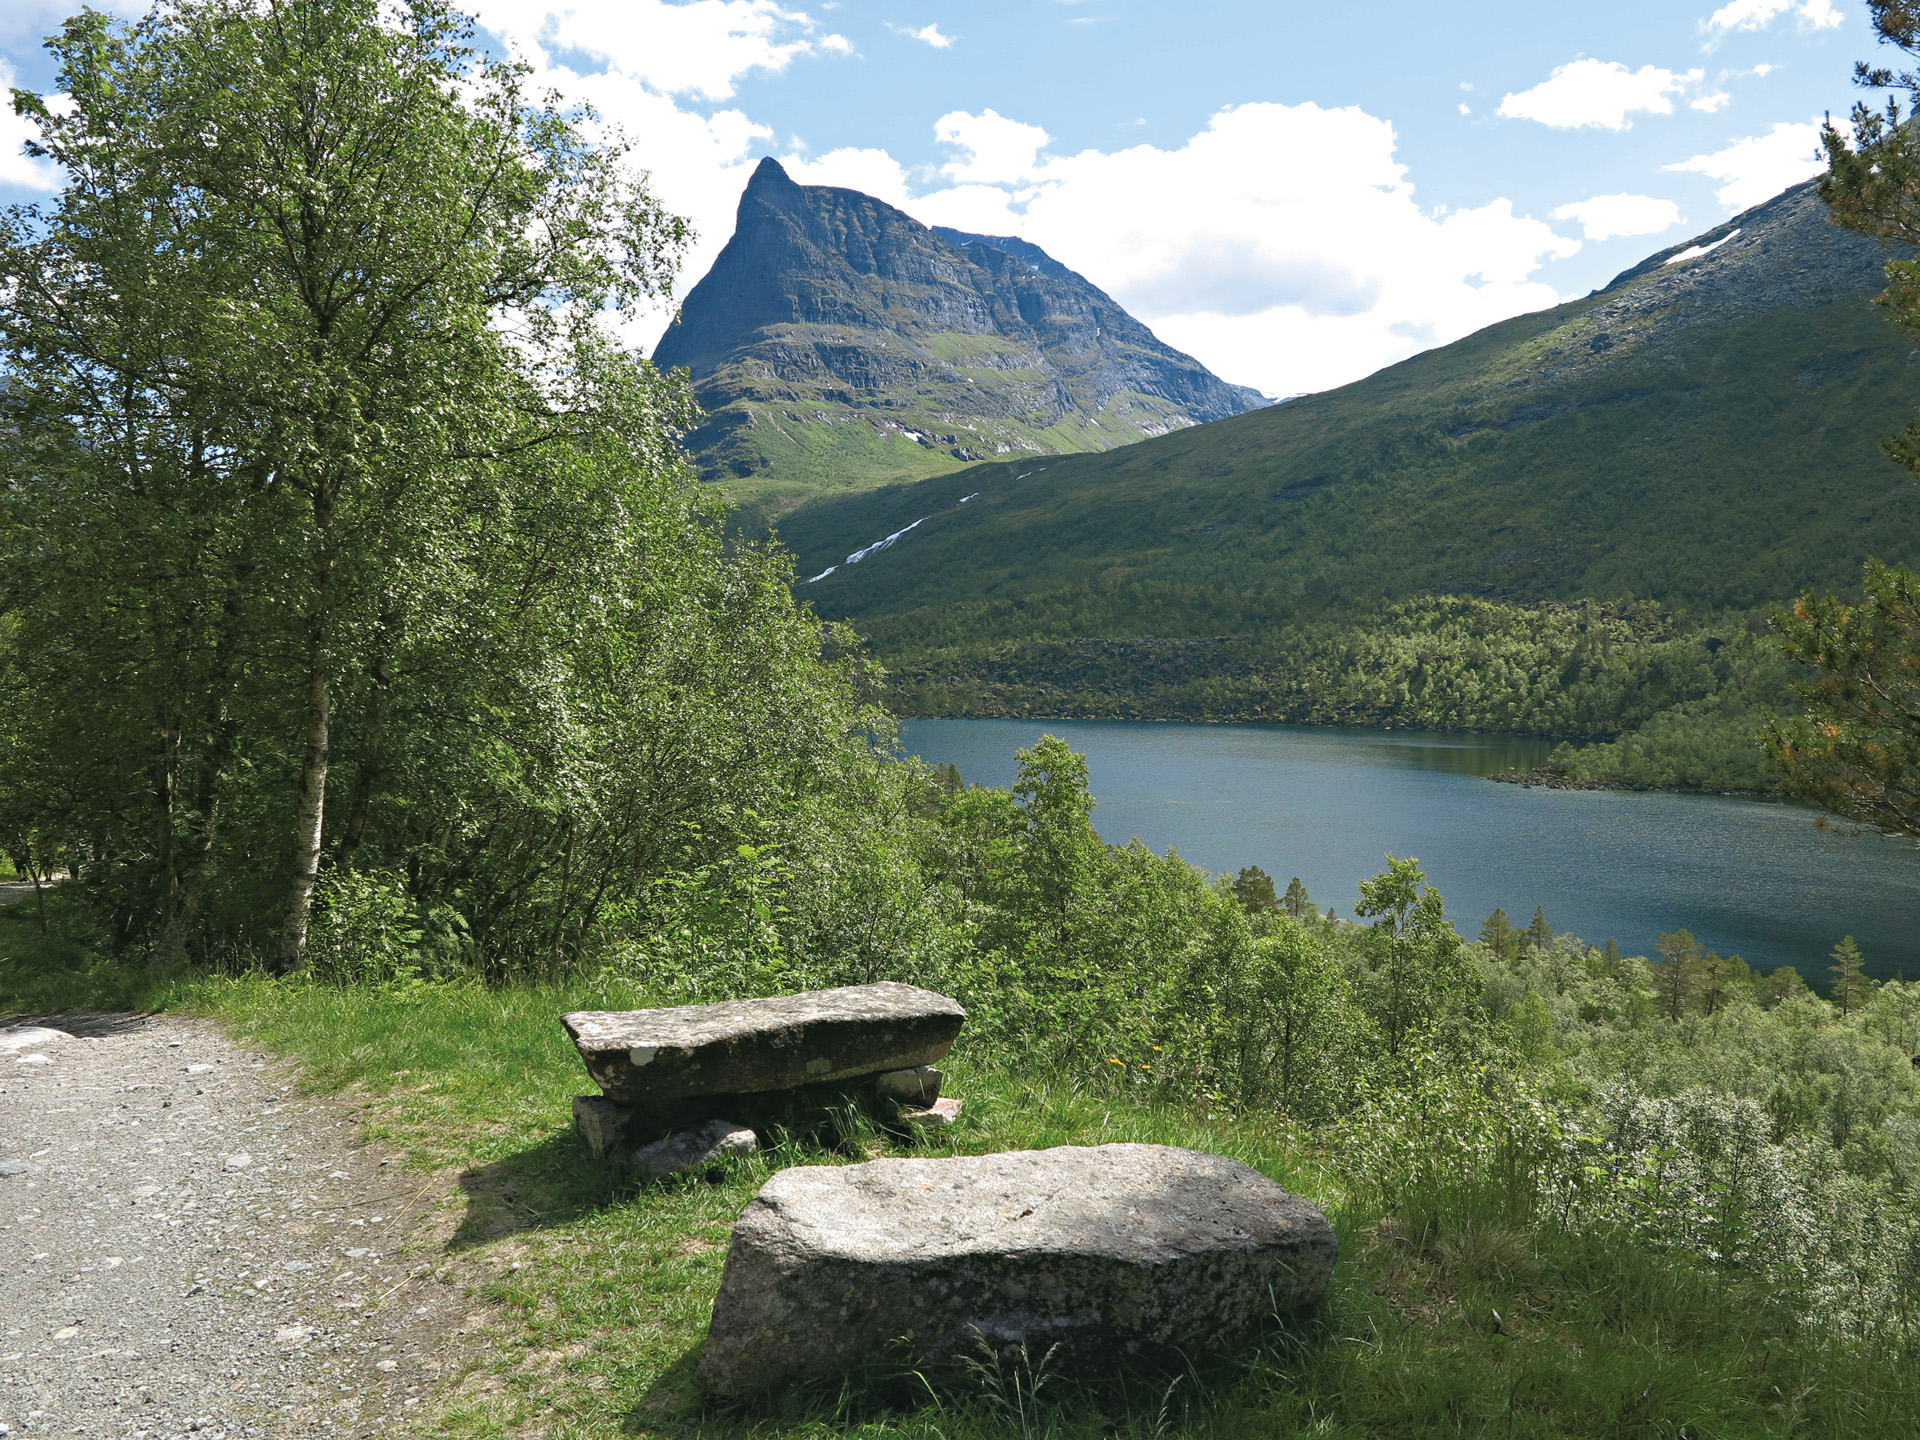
649 1059
1111 1254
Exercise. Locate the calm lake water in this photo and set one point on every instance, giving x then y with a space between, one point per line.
1747 877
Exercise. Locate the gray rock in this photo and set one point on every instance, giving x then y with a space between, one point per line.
15 1167
605 1126
937 1116
918 1086
697 1149
1112 1254
646 1057
28 1037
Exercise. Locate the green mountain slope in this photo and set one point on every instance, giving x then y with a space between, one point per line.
838 343
1704 432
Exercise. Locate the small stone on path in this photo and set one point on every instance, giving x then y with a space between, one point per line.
25 1037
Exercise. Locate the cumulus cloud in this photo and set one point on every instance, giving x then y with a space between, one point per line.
1760 166
1598 93
929 33
995 150
16 166
702 48
872 172
1603 217
1758 14
1282 245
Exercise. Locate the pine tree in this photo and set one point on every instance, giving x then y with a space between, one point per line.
1675 980
1539 933
1296 902
1851 987
1253 888
1714 975
1782 984
1499 936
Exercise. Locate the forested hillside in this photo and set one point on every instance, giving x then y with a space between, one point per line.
1706 431
1698 441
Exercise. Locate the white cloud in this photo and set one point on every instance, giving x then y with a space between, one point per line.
997 149
16 167
873 172
1758 14
1603 217
1760 166
1600 93
1282 244
1711 104
929 33
702 48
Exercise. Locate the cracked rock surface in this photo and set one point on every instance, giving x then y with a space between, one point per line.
188 1247
1098 1255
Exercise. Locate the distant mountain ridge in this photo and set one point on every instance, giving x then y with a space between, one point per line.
1704 431
838 342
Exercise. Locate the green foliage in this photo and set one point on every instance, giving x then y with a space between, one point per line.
338 540
1499 936
1537 1167
1855 751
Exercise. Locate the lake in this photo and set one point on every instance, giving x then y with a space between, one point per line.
1747 877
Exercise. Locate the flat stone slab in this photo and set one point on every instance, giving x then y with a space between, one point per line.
646 1057
1111 1253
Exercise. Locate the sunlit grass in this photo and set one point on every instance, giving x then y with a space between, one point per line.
600 1292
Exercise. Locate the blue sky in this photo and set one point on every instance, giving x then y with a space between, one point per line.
1295 193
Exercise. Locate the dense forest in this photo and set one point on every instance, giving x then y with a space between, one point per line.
1643 696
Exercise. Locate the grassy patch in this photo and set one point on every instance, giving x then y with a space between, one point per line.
601 1292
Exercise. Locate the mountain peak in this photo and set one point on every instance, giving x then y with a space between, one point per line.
769 172
837 342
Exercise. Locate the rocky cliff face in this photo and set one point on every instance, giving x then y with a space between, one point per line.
838 343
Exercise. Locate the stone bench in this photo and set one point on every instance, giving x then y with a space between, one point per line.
1105 1256
756 1062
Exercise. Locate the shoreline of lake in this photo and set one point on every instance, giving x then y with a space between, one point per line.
1749 875
1546 777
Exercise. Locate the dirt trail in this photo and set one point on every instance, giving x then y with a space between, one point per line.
187 1246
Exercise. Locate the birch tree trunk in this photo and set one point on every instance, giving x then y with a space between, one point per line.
309 820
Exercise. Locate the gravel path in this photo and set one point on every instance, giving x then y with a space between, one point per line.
188 1247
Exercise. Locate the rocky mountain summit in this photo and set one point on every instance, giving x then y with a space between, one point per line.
838 343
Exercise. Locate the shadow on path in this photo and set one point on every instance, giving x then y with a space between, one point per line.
555 1182
90 1024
